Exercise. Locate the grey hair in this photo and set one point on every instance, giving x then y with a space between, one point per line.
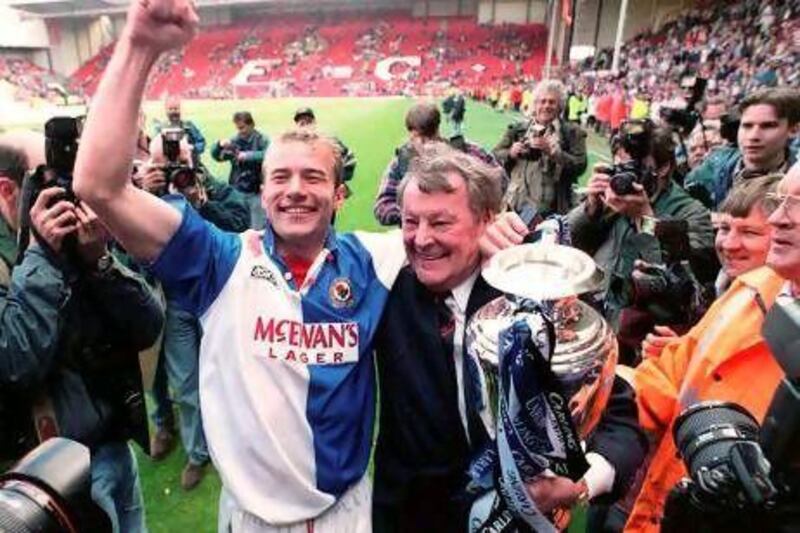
438 160
550 87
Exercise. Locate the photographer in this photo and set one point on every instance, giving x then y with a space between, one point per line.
245 152
193 134
724 357
422 124
616 226
305 118
543 155
69 351
224 207
768 118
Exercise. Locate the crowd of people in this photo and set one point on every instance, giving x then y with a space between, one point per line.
335 380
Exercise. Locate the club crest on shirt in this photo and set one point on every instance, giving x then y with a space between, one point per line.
341 293
262 272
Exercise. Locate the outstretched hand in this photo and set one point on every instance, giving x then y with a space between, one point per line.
505 231
160 25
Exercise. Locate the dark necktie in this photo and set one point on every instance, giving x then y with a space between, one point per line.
473 399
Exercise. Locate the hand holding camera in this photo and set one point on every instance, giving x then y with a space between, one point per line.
596 189
194 192
53 217
634 204
154 180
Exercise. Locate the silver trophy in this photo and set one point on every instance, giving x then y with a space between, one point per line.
585 356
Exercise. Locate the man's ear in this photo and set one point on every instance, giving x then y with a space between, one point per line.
339 195
8 189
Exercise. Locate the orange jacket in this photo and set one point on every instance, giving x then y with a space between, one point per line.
724 357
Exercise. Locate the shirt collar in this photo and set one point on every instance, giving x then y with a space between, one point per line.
787 291
269 240
463 290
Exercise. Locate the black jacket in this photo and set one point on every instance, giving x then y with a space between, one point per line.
422 452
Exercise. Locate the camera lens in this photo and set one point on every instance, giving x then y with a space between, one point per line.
705 432
182 177
622 183
26 508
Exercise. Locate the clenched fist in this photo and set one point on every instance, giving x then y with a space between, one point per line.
160 25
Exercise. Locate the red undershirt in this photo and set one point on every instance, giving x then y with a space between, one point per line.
298 266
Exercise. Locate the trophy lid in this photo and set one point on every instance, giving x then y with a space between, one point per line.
543 271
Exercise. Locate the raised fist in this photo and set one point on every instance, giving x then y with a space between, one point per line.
160 25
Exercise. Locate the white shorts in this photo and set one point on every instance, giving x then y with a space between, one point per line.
351 514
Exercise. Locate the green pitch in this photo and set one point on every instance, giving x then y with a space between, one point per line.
372 128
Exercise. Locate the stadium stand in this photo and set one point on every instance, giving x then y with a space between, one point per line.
299 56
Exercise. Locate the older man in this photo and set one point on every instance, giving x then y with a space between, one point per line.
724 357
430 425
543 155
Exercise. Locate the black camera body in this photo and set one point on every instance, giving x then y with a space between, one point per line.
176 173
684 120
624 175
61 137
530 152
636 138
681 120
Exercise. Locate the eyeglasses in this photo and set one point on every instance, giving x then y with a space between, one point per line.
790 203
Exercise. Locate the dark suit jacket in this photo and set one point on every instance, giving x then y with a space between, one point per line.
422 453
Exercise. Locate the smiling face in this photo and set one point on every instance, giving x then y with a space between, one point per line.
742 243
441 234
300 194
546 107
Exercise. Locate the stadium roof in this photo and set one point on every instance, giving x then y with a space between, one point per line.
88 8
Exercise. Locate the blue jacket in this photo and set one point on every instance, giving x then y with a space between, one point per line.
716 172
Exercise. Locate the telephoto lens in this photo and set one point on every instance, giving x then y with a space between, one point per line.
49 491
705 433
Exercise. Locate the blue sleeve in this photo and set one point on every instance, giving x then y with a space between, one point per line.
197 261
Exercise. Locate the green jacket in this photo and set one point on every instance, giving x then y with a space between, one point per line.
569 164
614 243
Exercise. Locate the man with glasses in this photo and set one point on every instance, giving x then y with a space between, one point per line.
724 357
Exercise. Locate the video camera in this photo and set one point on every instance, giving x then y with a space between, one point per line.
49 491
744 478
684 120
636 138
176 173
